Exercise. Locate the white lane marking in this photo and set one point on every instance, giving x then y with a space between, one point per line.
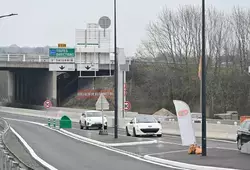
32 152
171 143
104 147
216 140
184 165
225 141
97 132
111 144
226 148
133 143
176 151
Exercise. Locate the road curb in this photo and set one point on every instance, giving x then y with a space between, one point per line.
183 165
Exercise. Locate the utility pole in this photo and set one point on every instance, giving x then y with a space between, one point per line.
203 83
116 76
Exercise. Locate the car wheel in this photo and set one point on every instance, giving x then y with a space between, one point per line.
160 135
239 143
81 127
134 133
127 133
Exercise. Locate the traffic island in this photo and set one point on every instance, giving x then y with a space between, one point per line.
219 158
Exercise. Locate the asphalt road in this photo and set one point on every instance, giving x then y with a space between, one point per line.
165 138
85 156
65 153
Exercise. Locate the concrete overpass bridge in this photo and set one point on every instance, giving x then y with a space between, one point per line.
29 80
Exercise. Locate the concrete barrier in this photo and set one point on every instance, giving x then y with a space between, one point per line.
217 131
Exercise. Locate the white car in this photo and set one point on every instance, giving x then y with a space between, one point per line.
143 126
92 118
196 117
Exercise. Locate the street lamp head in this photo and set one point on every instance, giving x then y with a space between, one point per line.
12 14
9 15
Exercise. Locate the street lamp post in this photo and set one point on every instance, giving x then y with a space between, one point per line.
116 76
203 83
9 15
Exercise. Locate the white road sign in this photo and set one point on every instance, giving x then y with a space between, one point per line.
62 67
87 67
102 103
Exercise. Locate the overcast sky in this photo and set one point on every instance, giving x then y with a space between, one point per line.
47 22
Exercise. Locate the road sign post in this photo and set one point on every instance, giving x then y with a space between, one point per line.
47 104
102 104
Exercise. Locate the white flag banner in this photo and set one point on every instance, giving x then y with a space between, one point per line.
185 123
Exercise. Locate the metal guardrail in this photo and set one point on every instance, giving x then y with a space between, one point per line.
8 161
24 58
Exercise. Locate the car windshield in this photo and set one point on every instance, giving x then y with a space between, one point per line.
93 114
196 115
145 119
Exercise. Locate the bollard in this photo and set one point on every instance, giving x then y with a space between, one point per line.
235 123
54 123
49 122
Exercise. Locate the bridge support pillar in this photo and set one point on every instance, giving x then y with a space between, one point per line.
52 87
11 86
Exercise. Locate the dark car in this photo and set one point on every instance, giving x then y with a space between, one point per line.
243 134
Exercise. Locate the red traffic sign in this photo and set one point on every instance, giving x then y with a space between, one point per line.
47 104
127 105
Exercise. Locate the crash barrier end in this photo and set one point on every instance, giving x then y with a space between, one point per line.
65 122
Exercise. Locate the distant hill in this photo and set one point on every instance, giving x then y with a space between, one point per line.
14 49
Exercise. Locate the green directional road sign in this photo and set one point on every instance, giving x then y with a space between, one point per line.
62 52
